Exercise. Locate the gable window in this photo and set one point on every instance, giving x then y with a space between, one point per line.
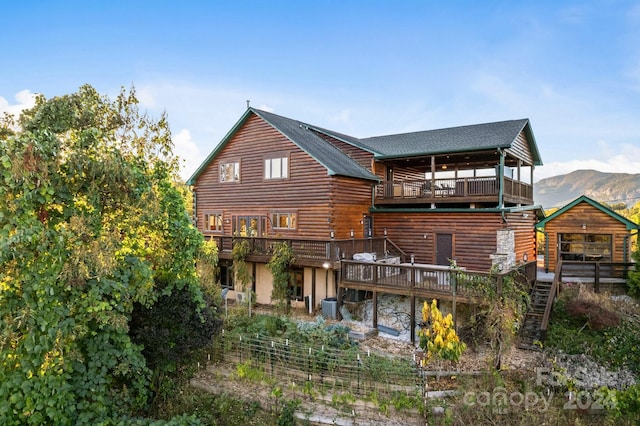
283 220
213 222
276 168
296 284
230 172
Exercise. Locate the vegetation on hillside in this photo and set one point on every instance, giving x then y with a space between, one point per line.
612 188
94 242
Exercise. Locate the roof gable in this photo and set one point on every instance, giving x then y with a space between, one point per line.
584 199
334 160
331 158
477 137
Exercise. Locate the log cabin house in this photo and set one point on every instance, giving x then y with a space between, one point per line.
586 231
420 201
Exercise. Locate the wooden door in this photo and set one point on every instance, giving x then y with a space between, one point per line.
444 249
367 223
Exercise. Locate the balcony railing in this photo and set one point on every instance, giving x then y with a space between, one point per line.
313 250
453 189
434 280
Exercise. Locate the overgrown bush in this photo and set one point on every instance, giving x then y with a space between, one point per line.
170 335
596 316
633 280
616 345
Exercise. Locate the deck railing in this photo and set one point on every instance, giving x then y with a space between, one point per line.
594 272
315 250
453 188
427 278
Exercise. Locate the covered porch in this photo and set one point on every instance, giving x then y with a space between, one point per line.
488 178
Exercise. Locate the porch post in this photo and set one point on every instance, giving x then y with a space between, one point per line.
375 309
339 300
312 299
501 180
413 318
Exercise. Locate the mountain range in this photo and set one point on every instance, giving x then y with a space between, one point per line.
610 188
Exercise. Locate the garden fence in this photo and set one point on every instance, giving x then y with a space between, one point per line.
320 369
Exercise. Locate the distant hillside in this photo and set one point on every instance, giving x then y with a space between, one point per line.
609 188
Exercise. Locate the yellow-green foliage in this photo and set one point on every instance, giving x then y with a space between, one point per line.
439 338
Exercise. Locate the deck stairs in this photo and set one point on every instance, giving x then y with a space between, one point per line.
532 334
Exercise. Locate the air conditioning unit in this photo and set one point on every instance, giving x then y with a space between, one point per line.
241 297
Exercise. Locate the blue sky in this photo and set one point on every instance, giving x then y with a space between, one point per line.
364 68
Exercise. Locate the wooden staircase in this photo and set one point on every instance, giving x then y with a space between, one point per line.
536 320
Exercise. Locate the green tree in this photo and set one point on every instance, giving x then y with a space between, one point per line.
90 226
241 272
633 280
279 264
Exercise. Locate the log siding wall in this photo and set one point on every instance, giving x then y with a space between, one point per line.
473 235
520 149
596 221
320 201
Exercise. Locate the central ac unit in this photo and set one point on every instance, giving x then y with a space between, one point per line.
240 297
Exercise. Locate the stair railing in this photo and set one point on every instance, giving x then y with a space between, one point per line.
555 286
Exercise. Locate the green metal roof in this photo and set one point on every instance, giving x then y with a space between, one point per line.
583 198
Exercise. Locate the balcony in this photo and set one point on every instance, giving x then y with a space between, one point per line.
311 252
454 191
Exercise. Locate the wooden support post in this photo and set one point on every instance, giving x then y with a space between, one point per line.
339 300
375 309
596 282
312 299
413 319
453 303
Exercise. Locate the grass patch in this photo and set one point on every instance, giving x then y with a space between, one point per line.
587 323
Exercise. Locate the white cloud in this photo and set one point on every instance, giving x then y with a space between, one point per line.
146 98
264 107
25 100
188 151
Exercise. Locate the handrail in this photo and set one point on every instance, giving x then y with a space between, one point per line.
332 250
405 277
398 250
555 285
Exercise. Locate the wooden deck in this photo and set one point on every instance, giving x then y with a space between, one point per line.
608 277
423 281
468 189
309 252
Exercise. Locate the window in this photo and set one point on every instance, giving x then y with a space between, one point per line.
230 172
283 220
276 168
213 222
296 284
585 247
247 226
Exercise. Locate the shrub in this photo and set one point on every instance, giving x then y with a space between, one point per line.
597 317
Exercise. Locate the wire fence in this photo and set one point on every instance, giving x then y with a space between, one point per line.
322 369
